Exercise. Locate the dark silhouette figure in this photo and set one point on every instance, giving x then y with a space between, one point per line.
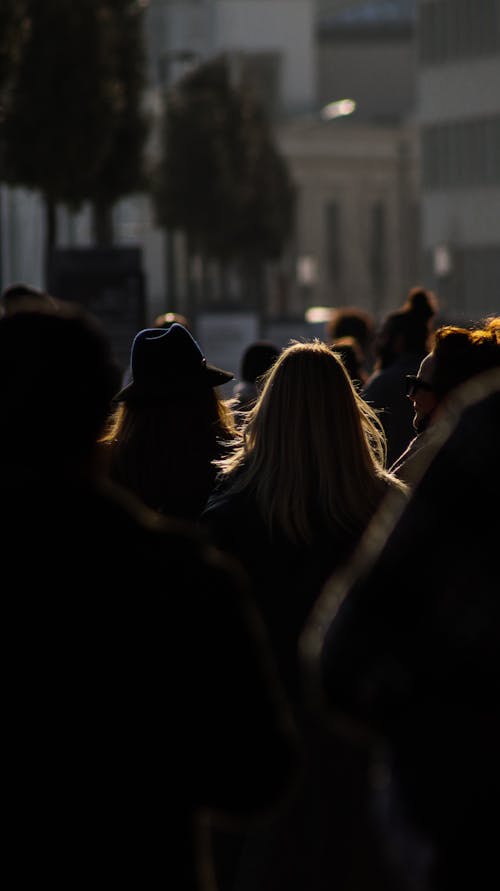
349 351
404 654
22 297
353 321
403 340
458 355
170 424
295 495
166 319
139 696
257 358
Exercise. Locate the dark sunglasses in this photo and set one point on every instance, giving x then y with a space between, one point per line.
414 383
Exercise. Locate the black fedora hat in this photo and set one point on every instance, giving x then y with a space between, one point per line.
167 361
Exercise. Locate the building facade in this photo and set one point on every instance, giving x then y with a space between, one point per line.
358 175
357 179
459 120
404 190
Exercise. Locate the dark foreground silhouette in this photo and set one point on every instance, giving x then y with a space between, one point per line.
138 695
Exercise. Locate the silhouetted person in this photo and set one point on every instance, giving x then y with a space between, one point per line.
170 423
349 351
294 497
403 340
404 654
458 354
137 694
166 319
353 321
257 358
23 297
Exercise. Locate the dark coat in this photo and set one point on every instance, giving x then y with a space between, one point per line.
386 392
413 655
135 697
286 578
313 844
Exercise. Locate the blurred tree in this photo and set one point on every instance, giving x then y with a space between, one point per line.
12 28
221 180
122 169
70 107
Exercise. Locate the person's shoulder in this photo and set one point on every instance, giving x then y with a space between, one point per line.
233 521
371 380
410 450
169 553
224 505
376 384
410 464
126 513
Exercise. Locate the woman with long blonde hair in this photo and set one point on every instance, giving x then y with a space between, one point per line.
298 488
293 498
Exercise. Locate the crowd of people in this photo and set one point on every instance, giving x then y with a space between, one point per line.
253 641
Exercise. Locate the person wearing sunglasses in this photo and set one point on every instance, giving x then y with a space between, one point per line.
458 354
420 391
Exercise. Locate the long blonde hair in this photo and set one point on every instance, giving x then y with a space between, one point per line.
312 447
164 449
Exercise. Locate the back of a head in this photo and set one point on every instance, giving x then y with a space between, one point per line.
22 297
312 448
422 303
462 353
257 359
57 378
350 352
166 319
418 313
307 388
351 321
409 329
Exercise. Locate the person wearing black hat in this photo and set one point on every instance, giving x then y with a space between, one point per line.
137 692
170 423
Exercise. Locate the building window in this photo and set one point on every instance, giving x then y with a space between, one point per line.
461 154
454 29
480 268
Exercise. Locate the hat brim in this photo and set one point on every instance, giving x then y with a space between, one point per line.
211 376
217 376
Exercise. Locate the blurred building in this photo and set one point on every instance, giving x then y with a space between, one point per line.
380 207
357 176
357 173
459 118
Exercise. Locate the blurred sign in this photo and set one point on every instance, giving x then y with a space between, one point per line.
107 282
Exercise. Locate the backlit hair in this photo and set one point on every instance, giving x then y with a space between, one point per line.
312 447
163 450
462 353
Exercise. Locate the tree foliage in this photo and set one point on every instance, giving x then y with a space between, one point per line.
122 169
12 17
73 127
221 178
